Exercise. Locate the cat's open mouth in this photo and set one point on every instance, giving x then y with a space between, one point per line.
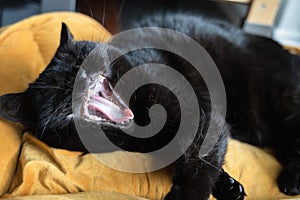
104 106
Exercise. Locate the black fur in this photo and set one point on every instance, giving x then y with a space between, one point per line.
262 82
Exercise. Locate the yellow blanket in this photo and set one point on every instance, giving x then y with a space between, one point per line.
29 168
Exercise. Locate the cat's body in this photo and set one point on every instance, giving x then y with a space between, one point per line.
262 82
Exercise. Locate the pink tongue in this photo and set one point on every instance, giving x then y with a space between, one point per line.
109 109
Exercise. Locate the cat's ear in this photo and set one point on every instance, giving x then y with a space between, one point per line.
65 35
13 107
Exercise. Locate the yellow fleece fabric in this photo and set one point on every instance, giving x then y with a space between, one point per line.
29 169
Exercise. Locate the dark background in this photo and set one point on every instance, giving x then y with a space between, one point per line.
117 13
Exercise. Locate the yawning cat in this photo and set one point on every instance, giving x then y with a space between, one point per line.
262 82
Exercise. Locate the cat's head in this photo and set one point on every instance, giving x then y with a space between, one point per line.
47 103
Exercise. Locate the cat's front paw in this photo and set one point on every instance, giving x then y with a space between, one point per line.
186 193
227 188
289 181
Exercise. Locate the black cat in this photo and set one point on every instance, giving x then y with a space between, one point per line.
262 85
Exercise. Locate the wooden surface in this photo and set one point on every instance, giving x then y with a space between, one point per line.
238 1
263 12
105 12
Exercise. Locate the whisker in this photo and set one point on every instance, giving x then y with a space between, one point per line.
47 87
210 164
104 11
48 120
90 8
291 116
120 11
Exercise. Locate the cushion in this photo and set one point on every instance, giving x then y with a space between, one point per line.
29 169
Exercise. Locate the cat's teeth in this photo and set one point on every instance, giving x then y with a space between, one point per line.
101 78
70 116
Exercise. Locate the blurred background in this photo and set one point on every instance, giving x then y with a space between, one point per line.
277 19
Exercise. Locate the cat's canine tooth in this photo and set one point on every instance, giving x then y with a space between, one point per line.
70 116
101 78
